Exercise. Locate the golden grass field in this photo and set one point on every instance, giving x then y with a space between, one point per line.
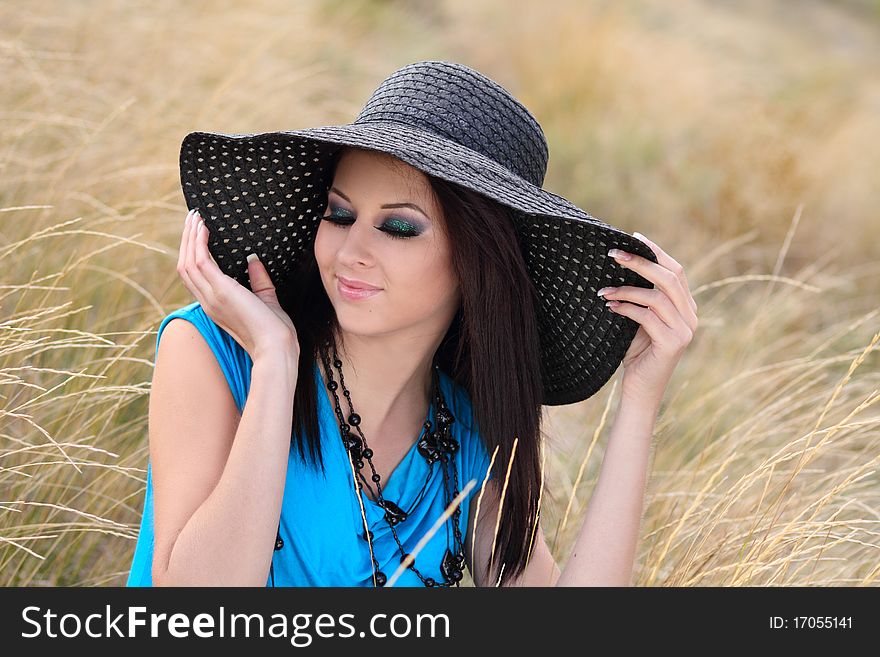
742 137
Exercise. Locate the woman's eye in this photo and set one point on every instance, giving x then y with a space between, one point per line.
399 228
394 228
335 217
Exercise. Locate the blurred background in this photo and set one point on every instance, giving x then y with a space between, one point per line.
741 136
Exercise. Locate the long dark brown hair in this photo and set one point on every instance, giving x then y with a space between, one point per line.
491 349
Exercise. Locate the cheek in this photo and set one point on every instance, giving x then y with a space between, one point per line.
323 247
424 279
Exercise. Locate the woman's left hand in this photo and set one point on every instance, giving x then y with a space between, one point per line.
668 322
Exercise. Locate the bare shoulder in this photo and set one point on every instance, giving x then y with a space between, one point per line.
483 518
187 367
192 423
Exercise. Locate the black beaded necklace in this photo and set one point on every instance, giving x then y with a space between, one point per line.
434 446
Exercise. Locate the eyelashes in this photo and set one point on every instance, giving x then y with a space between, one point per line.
394 228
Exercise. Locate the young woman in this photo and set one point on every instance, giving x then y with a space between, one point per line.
361 404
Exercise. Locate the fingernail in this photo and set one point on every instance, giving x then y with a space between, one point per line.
251 257
605 290
617 253
640 236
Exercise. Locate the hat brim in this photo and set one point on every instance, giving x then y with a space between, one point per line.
265 193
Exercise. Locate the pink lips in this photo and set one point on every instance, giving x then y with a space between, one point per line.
355 290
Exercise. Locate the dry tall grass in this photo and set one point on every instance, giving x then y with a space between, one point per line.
739 136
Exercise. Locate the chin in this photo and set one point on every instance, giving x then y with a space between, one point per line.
364 328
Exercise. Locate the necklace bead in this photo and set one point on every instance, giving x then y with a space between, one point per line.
393 513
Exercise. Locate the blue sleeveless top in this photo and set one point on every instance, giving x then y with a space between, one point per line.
321 525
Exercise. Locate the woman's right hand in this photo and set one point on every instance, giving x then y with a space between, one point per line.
254 319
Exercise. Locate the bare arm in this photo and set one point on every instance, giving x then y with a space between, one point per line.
604 551
218 479
541 569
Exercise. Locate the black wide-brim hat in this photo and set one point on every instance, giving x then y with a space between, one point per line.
265 193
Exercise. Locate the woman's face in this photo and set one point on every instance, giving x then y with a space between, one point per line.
402 250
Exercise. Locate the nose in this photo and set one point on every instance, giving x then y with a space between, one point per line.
356 246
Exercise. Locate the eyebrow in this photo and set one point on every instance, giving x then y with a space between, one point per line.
387 205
